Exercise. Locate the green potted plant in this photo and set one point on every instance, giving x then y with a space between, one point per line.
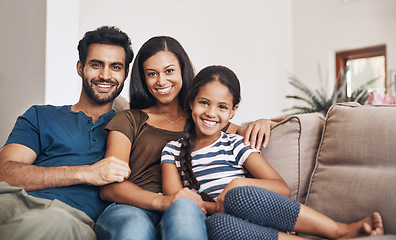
318 101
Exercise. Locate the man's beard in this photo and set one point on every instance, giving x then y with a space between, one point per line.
96 97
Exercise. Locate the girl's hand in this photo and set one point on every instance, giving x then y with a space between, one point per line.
257 133
237 182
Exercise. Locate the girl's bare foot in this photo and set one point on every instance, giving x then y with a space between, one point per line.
369 226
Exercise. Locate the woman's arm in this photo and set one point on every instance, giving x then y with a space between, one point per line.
264 177
119 146
256 134
126 192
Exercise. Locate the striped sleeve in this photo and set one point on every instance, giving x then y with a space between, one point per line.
170 153
241 151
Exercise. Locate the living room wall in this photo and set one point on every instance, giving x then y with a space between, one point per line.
321 28
22 59
261 40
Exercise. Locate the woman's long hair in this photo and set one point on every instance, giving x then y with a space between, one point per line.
209 74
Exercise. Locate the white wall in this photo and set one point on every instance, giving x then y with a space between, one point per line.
22 59
63 84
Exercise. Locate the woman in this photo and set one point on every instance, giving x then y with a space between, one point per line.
161 75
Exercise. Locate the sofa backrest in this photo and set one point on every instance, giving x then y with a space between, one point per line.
355 173
292 151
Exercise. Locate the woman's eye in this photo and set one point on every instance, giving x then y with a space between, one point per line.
152 74
168 71
204 102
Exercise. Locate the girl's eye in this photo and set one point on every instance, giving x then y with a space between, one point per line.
204 102
223 107
168 71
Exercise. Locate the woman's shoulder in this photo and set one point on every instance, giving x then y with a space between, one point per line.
133 113
130 117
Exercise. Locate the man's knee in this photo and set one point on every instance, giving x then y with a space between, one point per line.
51 223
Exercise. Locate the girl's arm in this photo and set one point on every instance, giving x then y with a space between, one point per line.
257 133
171 181
126 192
264 177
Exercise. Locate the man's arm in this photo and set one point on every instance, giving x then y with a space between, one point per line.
17 169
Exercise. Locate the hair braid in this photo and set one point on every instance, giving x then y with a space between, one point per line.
187 146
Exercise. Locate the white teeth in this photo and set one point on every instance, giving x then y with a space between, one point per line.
104 86
210 123
164 90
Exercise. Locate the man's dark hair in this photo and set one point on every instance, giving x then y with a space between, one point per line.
108 35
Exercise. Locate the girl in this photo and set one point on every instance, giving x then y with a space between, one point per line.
215 163
161 74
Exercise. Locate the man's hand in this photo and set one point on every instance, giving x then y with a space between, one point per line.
107 170
257 133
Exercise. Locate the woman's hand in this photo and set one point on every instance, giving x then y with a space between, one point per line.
164 201
257 133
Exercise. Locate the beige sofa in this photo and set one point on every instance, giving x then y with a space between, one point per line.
343 166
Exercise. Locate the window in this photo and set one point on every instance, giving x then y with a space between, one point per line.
363 65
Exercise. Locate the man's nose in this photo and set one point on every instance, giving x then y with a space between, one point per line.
105 73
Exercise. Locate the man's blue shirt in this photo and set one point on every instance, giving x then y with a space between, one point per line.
61 137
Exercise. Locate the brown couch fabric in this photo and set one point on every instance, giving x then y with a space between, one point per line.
355 173
292 150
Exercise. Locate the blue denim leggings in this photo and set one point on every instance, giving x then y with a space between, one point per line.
182 220
253 213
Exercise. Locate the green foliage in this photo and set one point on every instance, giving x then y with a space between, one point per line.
318 100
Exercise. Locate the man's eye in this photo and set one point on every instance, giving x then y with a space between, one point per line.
96 65
116 67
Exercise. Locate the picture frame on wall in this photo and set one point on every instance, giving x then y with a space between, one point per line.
392 83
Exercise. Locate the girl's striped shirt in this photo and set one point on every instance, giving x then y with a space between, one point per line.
216 165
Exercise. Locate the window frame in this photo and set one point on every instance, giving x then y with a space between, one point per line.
343 56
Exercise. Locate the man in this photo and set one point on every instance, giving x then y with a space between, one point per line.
57 154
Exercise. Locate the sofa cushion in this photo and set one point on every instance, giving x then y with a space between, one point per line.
355 173
292 150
